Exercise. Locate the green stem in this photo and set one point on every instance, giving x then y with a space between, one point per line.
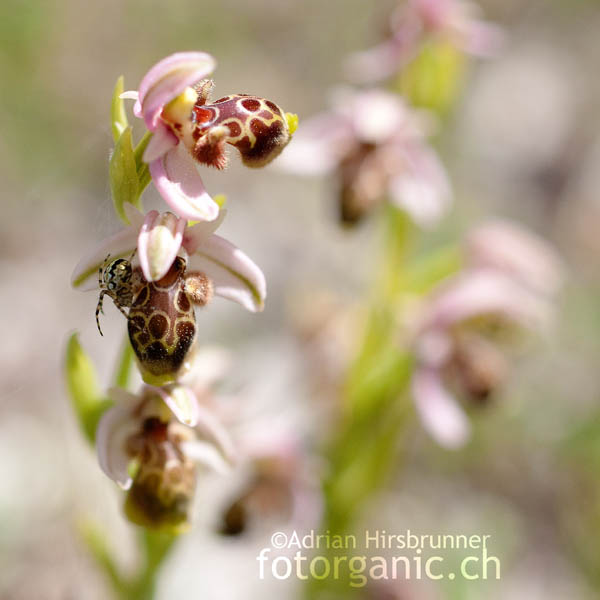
124 365
156 547
376 403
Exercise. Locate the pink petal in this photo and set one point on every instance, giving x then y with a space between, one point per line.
179 183
437 14
194 234
159 242
484 292
161 142
517 252
440 414
483 39
307 505
234 275
377 63
168 78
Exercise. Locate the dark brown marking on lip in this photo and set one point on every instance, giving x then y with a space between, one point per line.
251 104
234 129
183 302
158 326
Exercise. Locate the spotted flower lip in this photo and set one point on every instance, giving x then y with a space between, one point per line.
172 168
160 237
452 20
376 147
204 439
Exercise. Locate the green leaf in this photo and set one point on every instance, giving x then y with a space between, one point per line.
124 183
118 117
82 383
124 364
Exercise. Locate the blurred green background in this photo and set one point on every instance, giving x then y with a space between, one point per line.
523 142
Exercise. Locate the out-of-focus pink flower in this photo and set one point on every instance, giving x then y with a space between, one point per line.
173 100
417 21
514 250
376 148
159 238
278 481
464 336
140 432
279 485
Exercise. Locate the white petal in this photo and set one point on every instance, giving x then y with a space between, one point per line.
318 145
422 189
159 242
179 183
121 244
376 115
440 414
234 275
209 365
206 454
181 401
114 428
210 427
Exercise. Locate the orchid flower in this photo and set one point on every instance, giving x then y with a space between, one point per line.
279 485
411 24
161 432
516 251
279 480
461 342
159 238
173 100
375 147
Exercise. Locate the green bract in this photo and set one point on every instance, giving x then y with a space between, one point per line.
124 183
118 118
128 173
82 383
433 80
